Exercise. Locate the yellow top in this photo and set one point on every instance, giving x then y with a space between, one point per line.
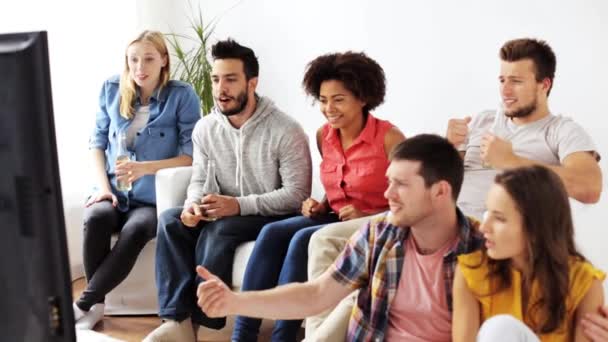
508 301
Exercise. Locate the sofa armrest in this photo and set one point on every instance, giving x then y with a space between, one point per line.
171 186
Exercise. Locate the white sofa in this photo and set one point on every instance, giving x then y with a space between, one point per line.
136 295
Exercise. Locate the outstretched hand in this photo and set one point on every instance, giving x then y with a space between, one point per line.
214 297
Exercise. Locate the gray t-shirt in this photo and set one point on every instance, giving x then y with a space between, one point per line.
548 140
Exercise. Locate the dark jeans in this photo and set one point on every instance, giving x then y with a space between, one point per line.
105 268
211 244
280 256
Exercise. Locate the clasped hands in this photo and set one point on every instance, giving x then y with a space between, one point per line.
311 208
212 205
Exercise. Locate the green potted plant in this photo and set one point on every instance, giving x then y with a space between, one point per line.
192 65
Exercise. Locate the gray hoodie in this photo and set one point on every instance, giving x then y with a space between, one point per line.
265 164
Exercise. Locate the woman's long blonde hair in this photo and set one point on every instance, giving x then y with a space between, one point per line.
128 88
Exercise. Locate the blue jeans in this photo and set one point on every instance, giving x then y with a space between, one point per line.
280 256
211 244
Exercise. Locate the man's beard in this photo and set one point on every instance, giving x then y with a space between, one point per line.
241 101
522 112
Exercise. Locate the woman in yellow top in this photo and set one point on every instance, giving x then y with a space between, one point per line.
528 283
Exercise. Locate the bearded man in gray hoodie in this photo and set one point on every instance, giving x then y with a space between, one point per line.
251 166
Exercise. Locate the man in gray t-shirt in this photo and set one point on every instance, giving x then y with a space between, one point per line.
549 140
524 132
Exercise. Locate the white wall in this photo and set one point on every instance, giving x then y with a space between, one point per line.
85 48
440 58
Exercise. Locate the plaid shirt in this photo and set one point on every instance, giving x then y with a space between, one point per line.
372 261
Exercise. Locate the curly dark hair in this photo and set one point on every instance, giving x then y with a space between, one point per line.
361 75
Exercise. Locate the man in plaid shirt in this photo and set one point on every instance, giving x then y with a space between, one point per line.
402 261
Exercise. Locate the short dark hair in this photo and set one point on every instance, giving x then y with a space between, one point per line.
230 49
538 51
438 158
360 74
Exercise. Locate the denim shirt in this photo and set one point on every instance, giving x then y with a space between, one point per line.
173 112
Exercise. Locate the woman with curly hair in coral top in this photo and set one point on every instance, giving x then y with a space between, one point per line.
354 147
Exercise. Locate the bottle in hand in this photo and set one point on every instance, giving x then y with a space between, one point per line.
210 187
123 155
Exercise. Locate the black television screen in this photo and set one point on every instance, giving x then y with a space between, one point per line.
35 291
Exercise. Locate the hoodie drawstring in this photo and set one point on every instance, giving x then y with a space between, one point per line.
238 176
241 162
237 146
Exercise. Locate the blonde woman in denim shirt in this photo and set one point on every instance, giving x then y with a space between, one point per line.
157 116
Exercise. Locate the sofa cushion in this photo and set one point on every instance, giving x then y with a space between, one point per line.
241 257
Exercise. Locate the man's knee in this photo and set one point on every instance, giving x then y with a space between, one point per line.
168 219
343 230
325 245
319 241
215 243
227 227
334 237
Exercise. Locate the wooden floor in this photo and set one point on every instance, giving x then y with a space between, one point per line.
135 328
126 328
